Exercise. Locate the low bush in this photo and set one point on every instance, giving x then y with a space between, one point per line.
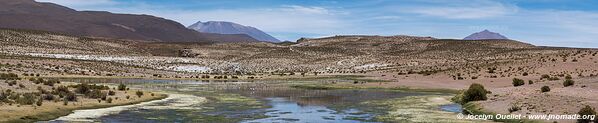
139 93
26 99
545 76
38 80
82 88
545 89
122 87
475 92
70 97
96 94
568 83
39 102
587 110
9 76
61 91
518 82
111 93
109 100
4 97
530 82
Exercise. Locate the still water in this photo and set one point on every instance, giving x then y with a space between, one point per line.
245 102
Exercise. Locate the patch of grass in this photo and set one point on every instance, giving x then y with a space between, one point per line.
45 116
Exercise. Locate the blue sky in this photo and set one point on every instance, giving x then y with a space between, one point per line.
572 23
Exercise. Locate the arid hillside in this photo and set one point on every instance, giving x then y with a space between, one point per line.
29 14
338 54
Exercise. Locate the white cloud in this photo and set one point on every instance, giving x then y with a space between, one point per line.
461 9
305 9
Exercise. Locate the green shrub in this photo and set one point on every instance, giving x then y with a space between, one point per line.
26 99
518 82
9 76
545 76
514 108
525 73
587 110
61 91
91 87
51 82
476 92
3 97
553 78
82 88
109 100
122 87
139 93
48 97
96 94
39 81
111 93
39 102
545 89
530 82
70 97
568 83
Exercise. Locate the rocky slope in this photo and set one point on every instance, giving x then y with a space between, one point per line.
28 14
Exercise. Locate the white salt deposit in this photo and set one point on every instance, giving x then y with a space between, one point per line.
173 101
190 68
370 66
82 57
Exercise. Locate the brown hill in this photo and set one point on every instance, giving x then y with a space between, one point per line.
28 14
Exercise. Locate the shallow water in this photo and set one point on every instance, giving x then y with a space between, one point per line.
196 101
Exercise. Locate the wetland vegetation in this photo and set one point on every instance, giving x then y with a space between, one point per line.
280 101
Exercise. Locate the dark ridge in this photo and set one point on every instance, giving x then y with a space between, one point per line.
31 15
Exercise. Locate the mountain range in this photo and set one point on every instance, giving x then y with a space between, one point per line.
223 27
29 14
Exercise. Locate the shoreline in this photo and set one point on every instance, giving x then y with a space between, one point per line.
54 114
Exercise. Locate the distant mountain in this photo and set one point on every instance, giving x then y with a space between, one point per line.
484 35
222 27
29 14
